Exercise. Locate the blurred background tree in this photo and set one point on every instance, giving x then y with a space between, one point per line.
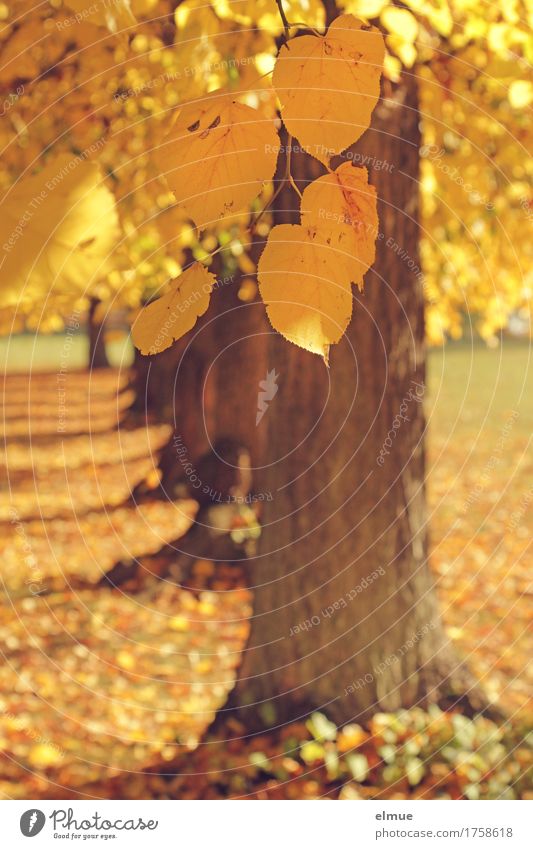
88 91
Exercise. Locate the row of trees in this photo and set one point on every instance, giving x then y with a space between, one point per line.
99 89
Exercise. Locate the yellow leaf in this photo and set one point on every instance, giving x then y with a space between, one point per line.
58 226
113 14
342 205
350 737
180 623
400 23
520 94
441 19
217 157
247 290
392 68
125 660
328 86
265 13
403 29
18 58
365 8
305 284
144 8
44 755
404 49
159 324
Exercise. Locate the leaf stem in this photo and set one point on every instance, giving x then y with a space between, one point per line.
254 224
284 21
289 175
305 26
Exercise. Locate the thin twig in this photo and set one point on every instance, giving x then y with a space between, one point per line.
289 175
286 24
254 223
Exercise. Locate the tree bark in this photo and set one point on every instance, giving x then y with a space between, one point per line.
346 616
97 350
193 385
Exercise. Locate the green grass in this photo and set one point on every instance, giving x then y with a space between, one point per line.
468 382
472 387
28 352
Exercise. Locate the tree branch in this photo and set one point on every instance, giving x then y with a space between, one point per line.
286 25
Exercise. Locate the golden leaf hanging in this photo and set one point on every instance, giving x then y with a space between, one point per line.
217 157
343 206
159 324
328 86
305 284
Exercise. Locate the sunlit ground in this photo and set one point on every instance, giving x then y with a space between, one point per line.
480 471
99 682
26 351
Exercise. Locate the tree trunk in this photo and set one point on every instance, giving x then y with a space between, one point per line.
192 385
95 329
345 613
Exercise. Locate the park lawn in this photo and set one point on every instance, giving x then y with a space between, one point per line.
480 487
479 405
480 415
26 352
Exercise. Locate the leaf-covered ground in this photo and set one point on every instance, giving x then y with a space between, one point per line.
480 470
107 692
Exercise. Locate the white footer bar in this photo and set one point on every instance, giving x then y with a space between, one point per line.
268 825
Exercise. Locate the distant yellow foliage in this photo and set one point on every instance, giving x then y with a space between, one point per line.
59 227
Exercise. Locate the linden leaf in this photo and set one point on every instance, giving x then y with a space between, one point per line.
58 226
159 324
328 86
343 206
217 157
305 284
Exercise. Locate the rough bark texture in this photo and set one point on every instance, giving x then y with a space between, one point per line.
206 384
345 610
97 351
